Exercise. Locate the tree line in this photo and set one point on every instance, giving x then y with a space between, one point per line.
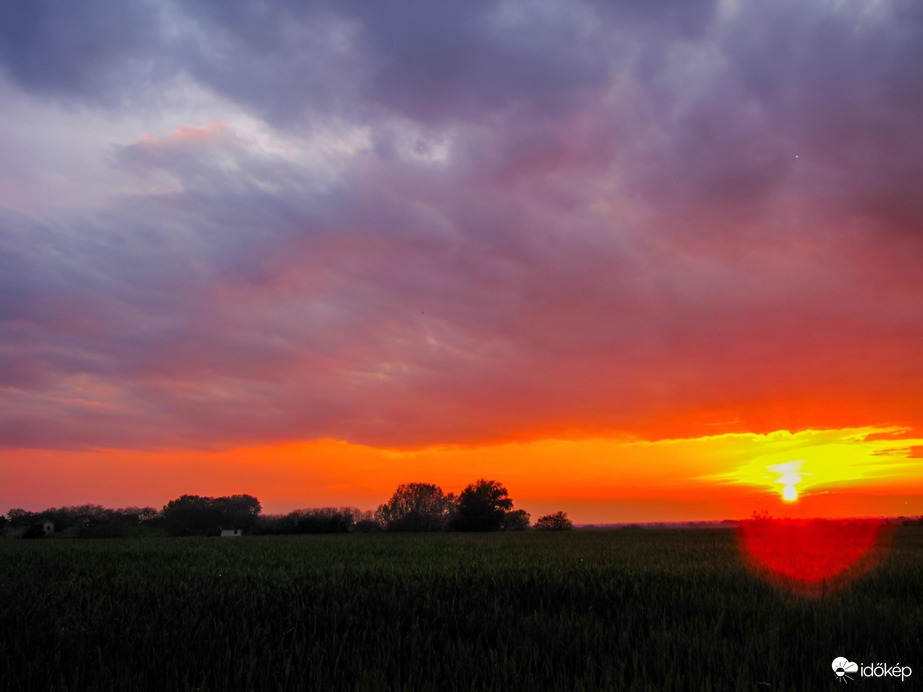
484 505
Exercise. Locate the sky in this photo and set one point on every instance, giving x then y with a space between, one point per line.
638 261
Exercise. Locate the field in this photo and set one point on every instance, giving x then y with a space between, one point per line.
613 610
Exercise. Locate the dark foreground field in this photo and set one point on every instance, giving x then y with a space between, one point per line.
617 610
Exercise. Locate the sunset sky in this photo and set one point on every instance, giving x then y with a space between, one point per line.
638 261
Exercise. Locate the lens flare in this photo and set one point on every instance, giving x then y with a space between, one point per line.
813 556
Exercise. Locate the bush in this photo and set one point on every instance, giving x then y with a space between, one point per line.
367 526
34 531
557 521
318 520
101 529
517 520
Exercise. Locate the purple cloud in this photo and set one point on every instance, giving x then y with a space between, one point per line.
484 222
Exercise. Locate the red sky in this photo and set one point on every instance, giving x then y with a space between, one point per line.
622 259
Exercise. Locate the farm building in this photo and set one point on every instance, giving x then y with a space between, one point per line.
230 533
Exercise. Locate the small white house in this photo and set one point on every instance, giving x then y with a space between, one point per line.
48 528
230 533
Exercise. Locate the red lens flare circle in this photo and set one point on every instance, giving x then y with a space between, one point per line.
810 555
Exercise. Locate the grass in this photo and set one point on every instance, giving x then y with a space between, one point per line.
615 610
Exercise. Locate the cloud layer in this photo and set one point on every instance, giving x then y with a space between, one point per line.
239 222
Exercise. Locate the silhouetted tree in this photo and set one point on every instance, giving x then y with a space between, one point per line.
20 517
236 511
557 521
416 507
193 515
61 517
3 522
367 526
482 506
92 521
516 520
317 520
190 515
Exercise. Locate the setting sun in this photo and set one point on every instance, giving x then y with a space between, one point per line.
789 477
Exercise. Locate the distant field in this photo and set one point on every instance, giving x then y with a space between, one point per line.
606 610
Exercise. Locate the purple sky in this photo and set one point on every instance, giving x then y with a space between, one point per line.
405 224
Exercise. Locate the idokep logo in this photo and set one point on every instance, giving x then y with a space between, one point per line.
842 667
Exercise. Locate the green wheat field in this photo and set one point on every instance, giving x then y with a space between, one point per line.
585 610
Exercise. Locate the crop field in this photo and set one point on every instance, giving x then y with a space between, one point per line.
607 610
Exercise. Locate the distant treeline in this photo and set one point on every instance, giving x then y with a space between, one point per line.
84 521
482 506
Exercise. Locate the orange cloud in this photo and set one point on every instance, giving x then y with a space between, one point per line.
187 133
200 133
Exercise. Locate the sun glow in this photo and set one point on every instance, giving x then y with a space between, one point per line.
810 463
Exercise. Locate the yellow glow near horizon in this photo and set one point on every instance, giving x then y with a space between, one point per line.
864 457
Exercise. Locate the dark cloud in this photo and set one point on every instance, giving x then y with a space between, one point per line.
95 51
435 64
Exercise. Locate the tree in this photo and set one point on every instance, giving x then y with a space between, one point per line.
367 526
97 522
557 521
236 511
20 517
193 515
482 506
3 523
416 507
316 520
190 515
516 520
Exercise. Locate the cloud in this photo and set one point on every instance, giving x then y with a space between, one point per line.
91 51
407 227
